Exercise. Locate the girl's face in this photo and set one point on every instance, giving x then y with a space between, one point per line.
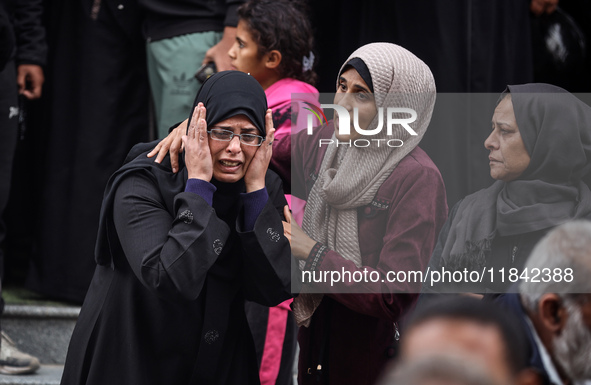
245 54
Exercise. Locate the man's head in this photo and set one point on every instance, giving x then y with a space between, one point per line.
482 333
438 370
559 303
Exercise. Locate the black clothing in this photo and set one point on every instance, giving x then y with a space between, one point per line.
166 304
7 39
511 251
98 88
165 18
508 252
22 41
534 360
8 137
25 17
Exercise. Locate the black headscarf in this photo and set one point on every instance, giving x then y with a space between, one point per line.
361 69
230 93
556 130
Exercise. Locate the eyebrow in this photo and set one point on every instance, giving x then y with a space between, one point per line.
356 86
239 40
242 129
501 124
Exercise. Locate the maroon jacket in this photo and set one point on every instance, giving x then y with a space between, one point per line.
352 335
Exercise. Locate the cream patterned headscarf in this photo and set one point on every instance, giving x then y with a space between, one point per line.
350 177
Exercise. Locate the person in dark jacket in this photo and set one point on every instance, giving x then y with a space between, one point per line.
540 147
179 253
22 55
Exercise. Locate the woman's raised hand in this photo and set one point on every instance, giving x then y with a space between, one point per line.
301 244
173 143
254 178
197 153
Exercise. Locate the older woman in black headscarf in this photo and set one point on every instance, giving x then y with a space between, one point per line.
540 154
178 253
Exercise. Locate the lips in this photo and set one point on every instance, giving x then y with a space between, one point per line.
229 163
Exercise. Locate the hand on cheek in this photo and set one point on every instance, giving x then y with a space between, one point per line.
197 153
254 179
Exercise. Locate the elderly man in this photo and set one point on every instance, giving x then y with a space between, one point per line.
555 305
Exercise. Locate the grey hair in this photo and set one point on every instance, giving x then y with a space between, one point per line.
564 253
448 369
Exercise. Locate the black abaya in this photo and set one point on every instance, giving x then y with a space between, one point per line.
98 102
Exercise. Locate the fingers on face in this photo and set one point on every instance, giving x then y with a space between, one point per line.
194 120
202 128
269 123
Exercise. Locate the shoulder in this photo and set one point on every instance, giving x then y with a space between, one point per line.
144 174
417 160
273 181
281 91
413 168
309 148
288 86
415 184
139 149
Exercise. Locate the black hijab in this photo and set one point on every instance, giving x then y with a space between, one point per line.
556 130
361 69
224 95
230 93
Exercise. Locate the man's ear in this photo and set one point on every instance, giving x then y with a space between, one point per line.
552 312
273 59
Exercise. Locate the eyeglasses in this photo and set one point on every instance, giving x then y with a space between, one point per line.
226 136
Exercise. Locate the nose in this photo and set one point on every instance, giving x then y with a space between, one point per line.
492 142
234 145
232 52
344 100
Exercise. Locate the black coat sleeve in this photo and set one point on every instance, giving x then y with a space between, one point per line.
6 38
29 32
170 254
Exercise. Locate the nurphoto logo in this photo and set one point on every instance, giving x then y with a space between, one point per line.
393 117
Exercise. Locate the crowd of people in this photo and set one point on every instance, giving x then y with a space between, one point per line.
216 246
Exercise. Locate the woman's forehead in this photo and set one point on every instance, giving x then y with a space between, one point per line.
237 121
352 77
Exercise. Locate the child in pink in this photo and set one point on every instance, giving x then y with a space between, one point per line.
274 44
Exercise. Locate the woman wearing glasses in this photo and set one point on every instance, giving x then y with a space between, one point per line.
179 253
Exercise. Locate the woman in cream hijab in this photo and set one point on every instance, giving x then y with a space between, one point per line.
375 204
